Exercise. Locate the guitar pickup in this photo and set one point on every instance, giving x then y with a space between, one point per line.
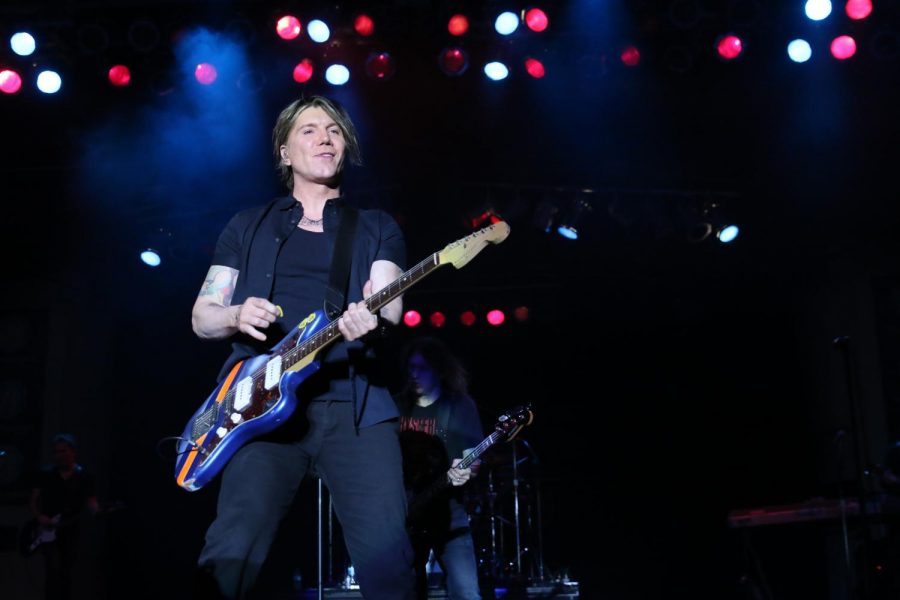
273 372
243 393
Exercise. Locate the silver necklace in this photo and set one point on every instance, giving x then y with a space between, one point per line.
304 220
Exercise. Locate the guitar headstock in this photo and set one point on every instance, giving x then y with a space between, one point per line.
460 252
514 420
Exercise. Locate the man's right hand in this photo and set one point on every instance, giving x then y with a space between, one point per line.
255 314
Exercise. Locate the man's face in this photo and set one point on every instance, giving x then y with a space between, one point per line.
422 375
63 454
315 147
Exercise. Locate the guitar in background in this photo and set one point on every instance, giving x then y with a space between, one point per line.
33 534
507 427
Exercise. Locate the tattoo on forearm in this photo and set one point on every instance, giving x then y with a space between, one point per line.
219 284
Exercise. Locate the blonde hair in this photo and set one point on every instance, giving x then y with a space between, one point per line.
288 118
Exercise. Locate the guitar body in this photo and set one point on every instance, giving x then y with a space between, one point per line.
213 434
33 535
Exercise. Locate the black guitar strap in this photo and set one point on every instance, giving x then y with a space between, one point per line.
336 292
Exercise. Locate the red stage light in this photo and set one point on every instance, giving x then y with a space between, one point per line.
729 46
458 25
437 319
631 56
521 313
380 65
205 73
843 47
303 71
536 19
453 61
858 9
288 27
411 318
10 81
534 67
467 318
119 75
496 317
364 25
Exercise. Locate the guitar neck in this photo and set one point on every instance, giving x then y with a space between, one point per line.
476 452
389 292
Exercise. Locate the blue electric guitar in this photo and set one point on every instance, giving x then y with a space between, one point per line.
259 393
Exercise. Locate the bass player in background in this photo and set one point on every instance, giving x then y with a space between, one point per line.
439 424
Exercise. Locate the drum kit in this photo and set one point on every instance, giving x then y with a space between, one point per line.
504 504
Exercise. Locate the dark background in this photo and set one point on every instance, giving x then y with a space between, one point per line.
673 380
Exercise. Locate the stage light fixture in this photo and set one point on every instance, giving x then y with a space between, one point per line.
729 46
303 72
817 10
412 318
458 25
205 73
728 233
119 75
49 82
337 74
630 56
799 51
843 47
858 9
437 319
495 317
536 19
506 23
453 61
496 71
318 31
364 25
571 219
380 65
151 257
521 314
288 27
535 68
467 318
22 43
10 81
706 218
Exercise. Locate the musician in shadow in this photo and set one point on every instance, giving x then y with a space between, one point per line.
273 266
439 424
62 493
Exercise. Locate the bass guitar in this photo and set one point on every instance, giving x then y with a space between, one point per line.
259 393
506 428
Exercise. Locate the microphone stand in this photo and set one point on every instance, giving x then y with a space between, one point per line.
516 510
